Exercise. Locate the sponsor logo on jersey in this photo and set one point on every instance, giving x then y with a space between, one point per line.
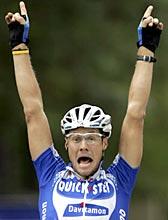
72 189
44 210
74 210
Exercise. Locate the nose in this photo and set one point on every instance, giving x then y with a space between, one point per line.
83 145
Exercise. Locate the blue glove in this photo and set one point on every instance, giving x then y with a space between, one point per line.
19 33
149 37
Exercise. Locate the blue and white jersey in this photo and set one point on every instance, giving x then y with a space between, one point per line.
65 196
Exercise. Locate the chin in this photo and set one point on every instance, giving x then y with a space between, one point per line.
86 174
86 170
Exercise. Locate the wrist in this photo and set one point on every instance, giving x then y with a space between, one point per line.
21 46
143 51
145 58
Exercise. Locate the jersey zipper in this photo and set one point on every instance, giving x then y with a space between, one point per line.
84 198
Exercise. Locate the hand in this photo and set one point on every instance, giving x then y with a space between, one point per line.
148 20
149 31
19 25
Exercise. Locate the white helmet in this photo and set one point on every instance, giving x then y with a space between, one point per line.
86 116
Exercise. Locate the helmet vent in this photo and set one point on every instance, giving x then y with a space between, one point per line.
86 116
94 118
86 111
77 112
97 113
68 118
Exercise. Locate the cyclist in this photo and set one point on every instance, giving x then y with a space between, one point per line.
82 188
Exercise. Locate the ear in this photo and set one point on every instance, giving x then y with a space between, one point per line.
105 143
66 144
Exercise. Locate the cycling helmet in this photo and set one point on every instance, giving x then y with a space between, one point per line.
86 116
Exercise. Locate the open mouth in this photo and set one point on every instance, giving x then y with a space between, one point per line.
84 160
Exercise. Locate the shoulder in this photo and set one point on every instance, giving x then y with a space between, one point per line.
48 164
124 174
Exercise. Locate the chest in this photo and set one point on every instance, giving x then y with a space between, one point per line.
84 198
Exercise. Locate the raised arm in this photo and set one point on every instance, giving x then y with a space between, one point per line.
131 140
39 134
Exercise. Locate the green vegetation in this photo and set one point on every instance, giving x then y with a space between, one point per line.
83 52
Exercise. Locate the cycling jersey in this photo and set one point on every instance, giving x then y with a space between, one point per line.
65 196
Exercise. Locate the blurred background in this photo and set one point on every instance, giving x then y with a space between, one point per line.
83 51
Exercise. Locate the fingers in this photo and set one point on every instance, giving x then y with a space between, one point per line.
148 11
19 18
23 10
148 19
153 21
9 18
160 25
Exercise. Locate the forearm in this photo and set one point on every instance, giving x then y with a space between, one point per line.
39 134
131 139
27 84
141 85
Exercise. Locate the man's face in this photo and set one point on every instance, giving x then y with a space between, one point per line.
85 147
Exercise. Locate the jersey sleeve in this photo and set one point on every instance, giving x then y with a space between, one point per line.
125 175
47 165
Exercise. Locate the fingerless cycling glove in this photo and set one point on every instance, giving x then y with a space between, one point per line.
149 37
19 33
